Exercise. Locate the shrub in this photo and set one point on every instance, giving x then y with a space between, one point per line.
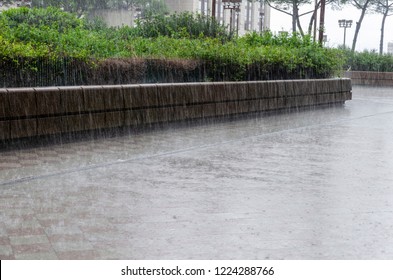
36 18
37 42
369 61
184 25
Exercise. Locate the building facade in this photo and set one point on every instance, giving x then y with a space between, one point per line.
390 48
241 16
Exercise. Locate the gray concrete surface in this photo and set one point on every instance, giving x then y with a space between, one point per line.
312 184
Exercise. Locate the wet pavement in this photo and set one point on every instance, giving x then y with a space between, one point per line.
310 184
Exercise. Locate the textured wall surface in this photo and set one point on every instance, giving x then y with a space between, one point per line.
29 112
370 78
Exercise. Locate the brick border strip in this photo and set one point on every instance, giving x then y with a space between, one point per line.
368 78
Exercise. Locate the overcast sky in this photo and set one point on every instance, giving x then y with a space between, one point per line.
369 36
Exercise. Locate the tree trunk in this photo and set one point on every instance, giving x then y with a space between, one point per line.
311 23
299 27
295 15
358 24
385 14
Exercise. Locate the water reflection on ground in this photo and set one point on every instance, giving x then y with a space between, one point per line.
310 184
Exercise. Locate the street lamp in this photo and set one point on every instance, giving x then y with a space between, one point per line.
343 23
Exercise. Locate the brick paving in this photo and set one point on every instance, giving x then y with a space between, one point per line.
300 185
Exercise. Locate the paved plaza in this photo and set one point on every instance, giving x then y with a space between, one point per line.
309 184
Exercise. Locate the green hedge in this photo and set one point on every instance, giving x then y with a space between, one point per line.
35 42
184 25
369 61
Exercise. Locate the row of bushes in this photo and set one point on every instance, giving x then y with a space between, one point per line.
51 47
39 72
369 61
52 32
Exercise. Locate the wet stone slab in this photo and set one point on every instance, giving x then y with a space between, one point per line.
309 184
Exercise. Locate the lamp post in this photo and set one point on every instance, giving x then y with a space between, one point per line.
343 23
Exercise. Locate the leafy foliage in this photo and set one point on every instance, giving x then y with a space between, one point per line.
185 25
369 61
40 34
58 32
82 7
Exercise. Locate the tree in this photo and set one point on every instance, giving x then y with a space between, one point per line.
385 7
125 4
364 6
291 8
20 3
6 2
79 7
154 7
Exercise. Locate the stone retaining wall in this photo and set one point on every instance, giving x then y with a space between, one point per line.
30 112
367 78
